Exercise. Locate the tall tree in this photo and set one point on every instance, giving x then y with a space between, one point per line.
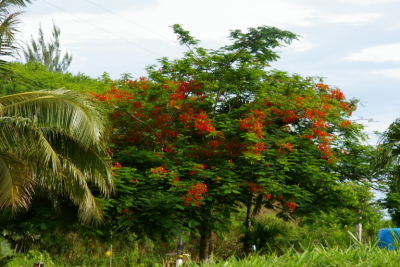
54 142
215 128
48 53
9 22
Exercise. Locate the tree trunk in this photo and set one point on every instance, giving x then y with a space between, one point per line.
247 224
205 238
205 245
359 227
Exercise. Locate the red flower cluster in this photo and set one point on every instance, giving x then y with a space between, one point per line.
287 116
345 124
337 94
254 187
180 94
326 150
253 123
199 121
159 171
117 165
203 123
290 205
288 146
258 148
195 194
114 95
322 87
320 124
314 113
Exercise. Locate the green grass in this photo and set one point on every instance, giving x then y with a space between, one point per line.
356 255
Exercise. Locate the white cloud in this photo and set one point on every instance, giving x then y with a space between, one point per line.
380 53
355 19
301 45
208 16
381 122
367 2
391 73
206 19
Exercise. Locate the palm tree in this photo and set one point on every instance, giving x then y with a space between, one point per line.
387 165
50 141
53 141
9 22
389 149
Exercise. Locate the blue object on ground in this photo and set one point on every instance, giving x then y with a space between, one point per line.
387 237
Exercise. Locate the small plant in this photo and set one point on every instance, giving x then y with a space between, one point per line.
37 256
263 234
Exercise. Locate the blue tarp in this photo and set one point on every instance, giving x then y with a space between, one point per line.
387 237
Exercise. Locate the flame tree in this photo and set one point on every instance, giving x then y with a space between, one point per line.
216 130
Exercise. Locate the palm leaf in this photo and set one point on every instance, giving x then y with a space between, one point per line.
58 136
389 149
61 109
16 183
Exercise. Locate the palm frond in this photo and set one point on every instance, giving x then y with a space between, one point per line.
74 183
90 209
389 149
16 183
61 109
91 161
22 137
9 25
5 4
58 136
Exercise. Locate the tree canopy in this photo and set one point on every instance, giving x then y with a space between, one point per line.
214 129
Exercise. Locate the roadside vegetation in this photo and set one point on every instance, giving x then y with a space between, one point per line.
248 165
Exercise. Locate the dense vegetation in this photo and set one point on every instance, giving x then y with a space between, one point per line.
246 164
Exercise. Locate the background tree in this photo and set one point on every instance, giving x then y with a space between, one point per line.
387 161
48 53
34 76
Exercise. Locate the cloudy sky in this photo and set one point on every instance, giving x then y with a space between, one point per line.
354 44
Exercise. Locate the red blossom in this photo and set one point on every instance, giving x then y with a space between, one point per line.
117 165
345 124
290 205
195 194
159 171
337 94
